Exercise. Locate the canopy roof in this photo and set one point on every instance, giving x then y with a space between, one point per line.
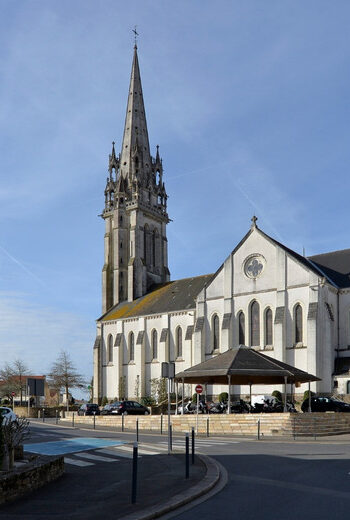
245 366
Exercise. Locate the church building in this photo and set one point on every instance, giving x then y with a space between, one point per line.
264 295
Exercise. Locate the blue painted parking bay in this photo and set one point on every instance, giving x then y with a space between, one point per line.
70 445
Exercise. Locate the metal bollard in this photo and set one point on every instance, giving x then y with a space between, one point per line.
171 436
122 422
56 416
134 474
137 430
192 445
207 426
161 423
73 420
43 414
258 429
94 420
187 456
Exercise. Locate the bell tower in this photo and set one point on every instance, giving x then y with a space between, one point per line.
135 212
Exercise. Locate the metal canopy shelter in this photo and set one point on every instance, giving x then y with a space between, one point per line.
244 366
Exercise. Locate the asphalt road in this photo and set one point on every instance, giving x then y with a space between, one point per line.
266 479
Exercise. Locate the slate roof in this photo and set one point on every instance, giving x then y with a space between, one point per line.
169 297
245 366
335 265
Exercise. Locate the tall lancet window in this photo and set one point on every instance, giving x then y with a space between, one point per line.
131 347
154 344
255 324
215 327
178 341
110 349
268 327
298 323
241 328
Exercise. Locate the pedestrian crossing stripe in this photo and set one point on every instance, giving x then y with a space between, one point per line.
76 462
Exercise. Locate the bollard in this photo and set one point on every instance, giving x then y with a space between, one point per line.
192 445
56 416
43 414
122 422
134 474
258 423
73 420
187 456
171 436
207 426
137 430
161 423
94 420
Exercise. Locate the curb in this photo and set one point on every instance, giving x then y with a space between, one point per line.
204 486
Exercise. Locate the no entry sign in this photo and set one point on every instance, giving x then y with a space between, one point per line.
199 389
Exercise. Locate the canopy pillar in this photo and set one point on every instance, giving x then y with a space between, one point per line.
229 395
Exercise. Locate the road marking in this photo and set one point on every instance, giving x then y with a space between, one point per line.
115 451
76 462
91 456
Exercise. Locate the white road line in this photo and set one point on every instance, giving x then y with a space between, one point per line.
75 462
91 456
121 454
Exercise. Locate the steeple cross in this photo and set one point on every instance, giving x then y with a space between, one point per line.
254 219
135 35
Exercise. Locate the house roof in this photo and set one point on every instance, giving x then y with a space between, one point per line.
335 265
245 366
169 297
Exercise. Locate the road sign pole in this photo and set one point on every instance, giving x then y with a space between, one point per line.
169 442
197 412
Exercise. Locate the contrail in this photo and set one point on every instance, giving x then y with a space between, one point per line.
17 262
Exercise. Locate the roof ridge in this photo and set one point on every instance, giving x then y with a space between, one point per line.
330 252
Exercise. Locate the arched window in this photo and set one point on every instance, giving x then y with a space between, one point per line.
254 324
241 328
131 347
110 349
145 245
268 327
298 323
178 341
215 332
154 344
154 248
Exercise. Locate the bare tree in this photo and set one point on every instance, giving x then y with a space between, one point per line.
13 379
64 376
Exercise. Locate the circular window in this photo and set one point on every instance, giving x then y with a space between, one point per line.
254 266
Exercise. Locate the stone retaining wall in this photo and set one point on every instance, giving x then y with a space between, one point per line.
42 470
285 424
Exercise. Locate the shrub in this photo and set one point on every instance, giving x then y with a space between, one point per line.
306 395
277 394
148 400
223 397
104 401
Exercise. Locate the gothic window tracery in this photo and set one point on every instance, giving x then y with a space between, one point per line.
215 332
178 342
131 347
241 328
154 344
268 327
298 323
255 324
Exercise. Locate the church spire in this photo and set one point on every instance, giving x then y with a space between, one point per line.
135 157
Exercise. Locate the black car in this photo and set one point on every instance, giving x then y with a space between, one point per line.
89 409
325 404
128 408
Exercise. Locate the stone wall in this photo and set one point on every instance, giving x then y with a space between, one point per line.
38 473
285 424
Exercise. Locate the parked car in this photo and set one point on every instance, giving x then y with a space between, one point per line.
7 415
89 409
107 409
325 404
128 408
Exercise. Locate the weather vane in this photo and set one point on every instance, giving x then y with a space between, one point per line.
136 35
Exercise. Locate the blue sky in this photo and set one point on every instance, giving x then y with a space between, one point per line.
249 102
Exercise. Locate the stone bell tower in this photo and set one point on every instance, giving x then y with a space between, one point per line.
135 212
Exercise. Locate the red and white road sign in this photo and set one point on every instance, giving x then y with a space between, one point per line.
199 389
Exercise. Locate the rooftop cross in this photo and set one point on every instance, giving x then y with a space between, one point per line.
135 35
254 219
